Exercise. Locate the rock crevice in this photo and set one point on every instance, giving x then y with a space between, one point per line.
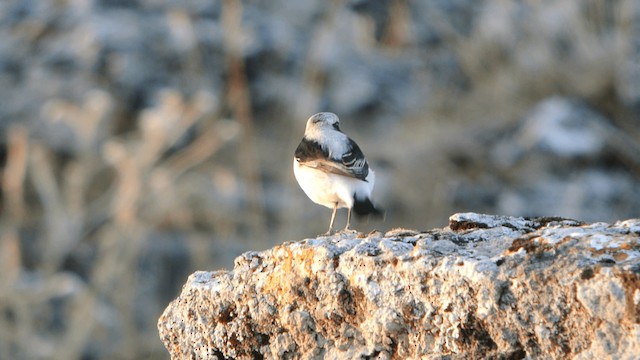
483 287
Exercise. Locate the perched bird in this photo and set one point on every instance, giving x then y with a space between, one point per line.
332 170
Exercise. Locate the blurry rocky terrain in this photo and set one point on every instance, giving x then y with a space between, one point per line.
142 140
485 287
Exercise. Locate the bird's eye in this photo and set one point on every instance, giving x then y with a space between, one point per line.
336 126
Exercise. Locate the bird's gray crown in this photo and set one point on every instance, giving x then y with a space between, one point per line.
323 120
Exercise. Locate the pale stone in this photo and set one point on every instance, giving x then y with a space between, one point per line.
484 287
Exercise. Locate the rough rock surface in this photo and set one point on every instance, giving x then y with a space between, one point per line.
483 287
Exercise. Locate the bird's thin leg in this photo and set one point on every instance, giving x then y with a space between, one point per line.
333 217
346 228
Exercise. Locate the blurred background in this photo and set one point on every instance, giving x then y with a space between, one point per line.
142 140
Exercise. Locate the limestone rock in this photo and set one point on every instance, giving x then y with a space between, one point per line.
483 287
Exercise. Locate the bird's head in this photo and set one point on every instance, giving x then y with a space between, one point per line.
323 121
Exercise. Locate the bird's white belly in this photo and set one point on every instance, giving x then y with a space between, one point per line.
327 189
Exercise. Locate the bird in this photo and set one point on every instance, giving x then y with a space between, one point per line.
332 170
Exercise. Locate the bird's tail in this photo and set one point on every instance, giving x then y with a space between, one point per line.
364 207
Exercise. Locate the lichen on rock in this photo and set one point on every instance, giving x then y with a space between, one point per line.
483 287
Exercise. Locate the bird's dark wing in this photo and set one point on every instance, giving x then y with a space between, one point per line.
309 150
354 160
352 163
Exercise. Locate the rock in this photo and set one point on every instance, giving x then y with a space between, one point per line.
483 287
